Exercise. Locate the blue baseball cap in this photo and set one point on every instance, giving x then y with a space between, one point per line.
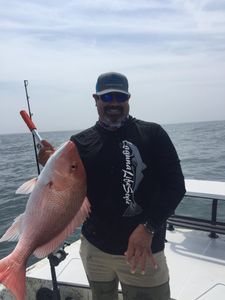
112 82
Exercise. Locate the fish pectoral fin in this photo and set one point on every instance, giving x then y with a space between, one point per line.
13 233
77 220
27 187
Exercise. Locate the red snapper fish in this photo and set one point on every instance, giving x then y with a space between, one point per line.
56 206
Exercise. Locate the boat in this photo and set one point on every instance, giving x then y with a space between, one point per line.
194 249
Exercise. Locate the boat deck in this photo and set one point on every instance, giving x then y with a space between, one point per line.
196 263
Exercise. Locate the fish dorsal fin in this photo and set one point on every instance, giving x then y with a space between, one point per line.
78 219
13 233
27 187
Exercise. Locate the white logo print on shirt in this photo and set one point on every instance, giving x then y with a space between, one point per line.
132 176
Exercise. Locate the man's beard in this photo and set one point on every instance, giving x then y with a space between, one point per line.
107 120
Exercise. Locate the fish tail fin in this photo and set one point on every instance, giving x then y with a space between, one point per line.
12 276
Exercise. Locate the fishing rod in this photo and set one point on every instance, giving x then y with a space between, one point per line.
60 255
33 132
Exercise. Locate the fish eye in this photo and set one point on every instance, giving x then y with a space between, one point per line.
74 166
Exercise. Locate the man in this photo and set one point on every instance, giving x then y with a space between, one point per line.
134 183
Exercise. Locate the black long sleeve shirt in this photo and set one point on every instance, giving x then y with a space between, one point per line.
133 176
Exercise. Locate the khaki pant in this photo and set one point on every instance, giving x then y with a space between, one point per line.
104 271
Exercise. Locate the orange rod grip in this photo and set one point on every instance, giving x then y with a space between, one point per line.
27 120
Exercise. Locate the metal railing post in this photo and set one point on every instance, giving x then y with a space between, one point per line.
212 234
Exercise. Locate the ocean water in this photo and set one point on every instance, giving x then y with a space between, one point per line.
200 146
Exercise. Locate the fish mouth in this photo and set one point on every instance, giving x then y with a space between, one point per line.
65 150
69 145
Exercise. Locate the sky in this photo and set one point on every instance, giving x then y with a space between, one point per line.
172 52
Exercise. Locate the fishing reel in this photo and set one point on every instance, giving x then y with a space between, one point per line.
57 257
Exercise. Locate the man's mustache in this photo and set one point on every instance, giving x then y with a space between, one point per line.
108 108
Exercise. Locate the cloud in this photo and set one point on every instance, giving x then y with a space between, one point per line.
61 46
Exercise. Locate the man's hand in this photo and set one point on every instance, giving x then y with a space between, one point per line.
45 152
139 249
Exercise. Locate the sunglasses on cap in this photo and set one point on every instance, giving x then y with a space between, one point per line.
109 97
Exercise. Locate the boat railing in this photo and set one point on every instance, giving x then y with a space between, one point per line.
200 212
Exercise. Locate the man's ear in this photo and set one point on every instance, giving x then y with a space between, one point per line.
96 97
